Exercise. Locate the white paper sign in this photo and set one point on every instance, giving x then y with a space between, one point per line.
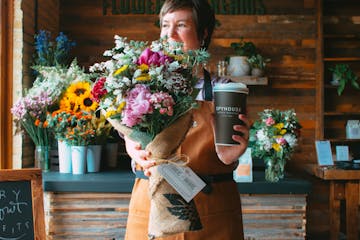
342 153
323 151
182 179
244 172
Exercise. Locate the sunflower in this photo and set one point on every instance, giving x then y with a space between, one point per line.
86 103
78 89
67 103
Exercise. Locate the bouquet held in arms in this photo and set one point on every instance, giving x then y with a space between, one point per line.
147 93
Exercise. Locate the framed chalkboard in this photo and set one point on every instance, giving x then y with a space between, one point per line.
21 205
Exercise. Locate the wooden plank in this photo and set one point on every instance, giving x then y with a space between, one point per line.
103 215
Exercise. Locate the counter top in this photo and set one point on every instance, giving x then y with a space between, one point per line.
122 182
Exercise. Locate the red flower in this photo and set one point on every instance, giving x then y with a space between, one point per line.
99 90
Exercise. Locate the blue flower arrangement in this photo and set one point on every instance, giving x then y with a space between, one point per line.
49 53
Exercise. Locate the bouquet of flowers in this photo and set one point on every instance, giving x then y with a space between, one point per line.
80 132
73 121
147 93
102 129
30 114
273 138
30 111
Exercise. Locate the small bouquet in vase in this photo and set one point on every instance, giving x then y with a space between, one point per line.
273 138
147 93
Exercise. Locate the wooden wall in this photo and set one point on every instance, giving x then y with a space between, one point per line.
37 14
286 33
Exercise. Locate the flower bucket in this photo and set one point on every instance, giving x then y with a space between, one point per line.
93 158
78 158
64 150
111 154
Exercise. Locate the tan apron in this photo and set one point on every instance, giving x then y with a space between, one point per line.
220 210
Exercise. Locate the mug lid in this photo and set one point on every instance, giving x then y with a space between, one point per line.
231 86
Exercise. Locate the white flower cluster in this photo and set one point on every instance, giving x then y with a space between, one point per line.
55 79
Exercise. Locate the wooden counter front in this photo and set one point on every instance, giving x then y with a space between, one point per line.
99 211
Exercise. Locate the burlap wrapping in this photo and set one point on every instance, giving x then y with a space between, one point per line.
169 212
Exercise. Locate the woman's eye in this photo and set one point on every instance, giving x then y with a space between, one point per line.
165 26
181 25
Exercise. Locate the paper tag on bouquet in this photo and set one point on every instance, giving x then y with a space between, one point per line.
182 179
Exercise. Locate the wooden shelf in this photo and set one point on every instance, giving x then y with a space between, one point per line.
342 113
250 80
330 86
343 140
342 36
342 59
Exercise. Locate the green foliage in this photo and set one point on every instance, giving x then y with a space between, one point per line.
258 61
244 48
345 75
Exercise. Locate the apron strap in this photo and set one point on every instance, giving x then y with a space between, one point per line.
207 89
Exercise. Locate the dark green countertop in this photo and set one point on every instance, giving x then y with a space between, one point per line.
122 182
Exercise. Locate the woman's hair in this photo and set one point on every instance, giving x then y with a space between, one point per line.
203 16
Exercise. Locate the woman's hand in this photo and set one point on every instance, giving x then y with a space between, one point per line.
138 155
230 154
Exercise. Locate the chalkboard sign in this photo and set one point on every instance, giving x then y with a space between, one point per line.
21 205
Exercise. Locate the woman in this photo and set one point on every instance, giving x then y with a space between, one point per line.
192 22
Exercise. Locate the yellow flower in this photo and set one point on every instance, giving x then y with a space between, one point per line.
86 103
110 113
67 103
276 147
121 107
279 125
143 77
144 68
283 131
120 70
77 89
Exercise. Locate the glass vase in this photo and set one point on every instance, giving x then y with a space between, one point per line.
42 158
275 169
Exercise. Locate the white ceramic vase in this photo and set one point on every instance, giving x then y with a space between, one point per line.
78 158
64 152
93 158
335 80
257 72
238 66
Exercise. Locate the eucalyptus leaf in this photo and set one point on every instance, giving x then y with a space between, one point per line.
142 137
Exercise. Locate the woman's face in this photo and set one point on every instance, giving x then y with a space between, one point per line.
179 26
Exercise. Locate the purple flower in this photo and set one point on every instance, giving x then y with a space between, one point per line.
149 57
35 106
137 105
